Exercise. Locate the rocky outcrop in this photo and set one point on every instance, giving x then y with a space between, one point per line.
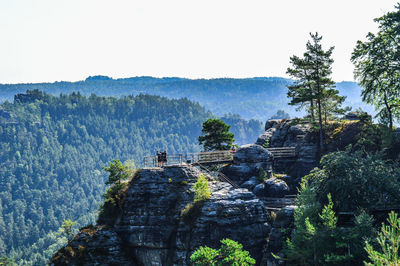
248 161
290 133
93 245
159 225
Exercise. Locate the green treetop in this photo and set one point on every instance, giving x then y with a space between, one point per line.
216 135
118 172
377 66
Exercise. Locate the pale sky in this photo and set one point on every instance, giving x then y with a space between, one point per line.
54 40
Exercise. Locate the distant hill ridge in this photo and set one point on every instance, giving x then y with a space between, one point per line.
257 98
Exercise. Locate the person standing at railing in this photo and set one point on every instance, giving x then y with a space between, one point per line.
159 159
165 157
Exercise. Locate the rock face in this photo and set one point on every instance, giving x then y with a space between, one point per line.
287 133
280 231
154 230
248 161
93 246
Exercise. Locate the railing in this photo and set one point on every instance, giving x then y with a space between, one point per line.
190 158
212 157
283 152
220 176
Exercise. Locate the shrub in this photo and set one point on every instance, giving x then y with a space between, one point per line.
201 189
191 212
115 194
262 175
230 253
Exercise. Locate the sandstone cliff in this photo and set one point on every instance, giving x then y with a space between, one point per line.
151 229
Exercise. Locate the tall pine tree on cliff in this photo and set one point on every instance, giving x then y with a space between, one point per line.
313 86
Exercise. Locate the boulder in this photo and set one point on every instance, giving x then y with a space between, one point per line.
251 183
251 153
272 123
273 187
248 161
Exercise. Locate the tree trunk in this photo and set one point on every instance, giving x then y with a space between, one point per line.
389 109
321 130
312 110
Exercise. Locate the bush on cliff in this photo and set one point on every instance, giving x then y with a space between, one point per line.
201 189
114 196
230 253
201 193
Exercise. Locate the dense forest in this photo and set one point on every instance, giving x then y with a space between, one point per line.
251 98
52 150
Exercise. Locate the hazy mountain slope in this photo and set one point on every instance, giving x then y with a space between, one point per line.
252 98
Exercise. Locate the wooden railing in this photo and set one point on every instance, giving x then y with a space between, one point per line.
212 157
191 158
283 152
220 176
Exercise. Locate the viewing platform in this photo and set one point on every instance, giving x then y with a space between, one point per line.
213 157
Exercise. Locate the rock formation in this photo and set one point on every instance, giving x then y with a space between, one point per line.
289 133
248 161
153 229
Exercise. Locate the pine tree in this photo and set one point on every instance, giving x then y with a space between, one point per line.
216 135
313 86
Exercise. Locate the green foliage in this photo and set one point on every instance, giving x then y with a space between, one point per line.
216 135
230 253
244 131
201 189
356 180
376 66
313 87
378 138
191 212
6 261
389 242
318 241
117 172
266 143
52 150
66 229
115 194
327 216
262 175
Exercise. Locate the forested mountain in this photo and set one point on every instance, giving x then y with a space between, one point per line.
52 150
251 98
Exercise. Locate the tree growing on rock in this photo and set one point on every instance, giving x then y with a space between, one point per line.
313 87
216 135
66 229
114 196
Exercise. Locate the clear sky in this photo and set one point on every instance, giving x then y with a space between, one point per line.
53 40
